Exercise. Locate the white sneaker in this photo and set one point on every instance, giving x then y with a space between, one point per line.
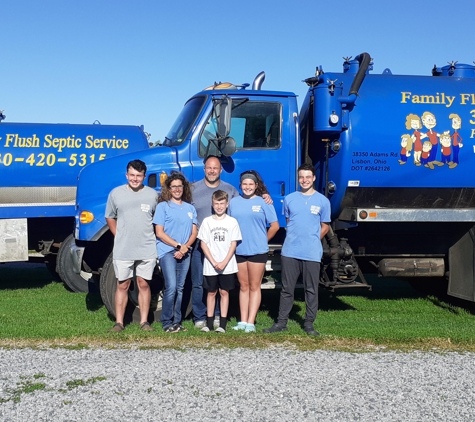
205 329
250 328
216 321
220 330
200 324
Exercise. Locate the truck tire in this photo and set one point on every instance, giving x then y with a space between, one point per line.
64 267
108 286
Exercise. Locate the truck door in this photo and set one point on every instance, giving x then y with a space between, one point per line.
265 141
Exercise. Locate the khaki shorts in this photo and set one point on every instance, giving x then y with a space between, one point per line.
127 269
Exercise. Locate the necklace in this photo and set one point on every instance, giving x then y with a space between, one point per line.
306 197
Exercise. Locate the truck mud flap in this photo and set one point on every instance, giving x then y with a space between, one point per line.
462 268
13 240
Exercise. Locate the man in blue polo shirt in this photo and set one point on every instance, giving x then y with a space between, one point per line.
308 216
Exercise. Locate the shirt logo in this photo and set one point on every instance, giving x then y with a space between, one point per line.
145 207
190 214
219 237
315 209
256 208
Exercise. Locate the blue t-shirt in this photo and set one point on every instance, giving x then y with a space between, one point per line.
253 216
177 221
305 214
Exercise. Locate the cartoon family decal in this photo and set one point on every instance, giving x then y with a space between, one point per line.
426 145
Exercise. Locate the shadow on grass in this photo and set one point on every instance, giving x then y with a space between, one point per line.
16 276
93 301
20 275
382 289
431 289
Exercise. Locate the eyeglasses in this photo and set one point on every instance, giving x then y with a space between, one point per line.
176 187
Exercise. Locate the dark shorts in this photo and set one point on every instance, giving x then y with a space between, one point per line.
222 281
260 258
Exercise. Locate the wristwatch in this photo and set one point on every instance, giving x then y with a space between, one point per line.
178 247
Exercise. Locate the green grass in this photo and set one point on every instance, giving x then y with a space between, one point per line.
37 311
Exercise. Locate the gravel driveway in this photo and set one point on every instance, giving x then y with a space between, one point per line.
234 385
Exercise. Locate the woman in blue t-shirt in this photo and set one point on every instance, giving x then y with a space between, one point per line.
176 229
253 216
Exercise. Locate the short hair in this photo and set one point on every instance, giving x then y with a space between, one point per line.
138 165
211 156
307 166
220 195
454 116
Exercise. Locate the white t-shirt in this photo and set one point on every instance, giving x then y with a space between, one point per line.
218 235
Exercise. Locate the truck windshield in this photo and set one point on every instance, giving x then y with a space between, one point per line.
184 122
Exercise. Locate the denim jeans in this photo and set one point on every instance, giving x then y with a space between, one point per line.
198 300
174 272
198 294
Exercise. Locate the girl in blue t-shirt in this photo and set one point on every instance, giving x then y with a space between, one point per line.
253 216
176 229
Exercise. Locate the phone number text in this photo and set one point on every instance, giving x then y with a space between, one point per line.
41 159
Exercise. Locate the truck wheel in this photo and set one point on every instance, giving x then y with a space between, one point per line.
64 267
108 286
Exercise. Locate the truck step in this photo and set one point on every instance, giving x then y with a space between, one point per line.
355 284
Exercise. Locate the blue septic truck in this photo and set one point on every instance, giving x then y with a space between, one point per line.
393 153
39 165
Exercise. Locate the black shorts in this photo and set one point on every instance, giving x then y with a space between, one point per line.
260 258
222 281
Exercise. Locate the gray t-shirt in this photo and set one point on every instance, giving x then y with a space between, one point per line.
134 238
202 194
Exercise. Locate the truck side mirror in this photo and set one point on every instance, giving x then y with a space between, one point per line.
228 146
223 111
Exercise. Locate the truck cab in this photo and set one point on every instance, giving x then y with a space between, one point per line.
246 128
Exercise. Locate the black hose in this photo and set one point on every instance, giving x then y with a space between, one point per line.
364 60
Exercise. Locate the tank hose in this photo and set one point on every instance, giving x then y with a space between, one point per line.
364 60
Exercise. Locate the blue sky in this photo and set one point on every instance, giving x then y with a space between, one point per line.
137 62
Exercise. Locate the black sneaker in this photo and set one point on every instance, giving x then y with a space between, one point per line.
311 331
276 328
180 327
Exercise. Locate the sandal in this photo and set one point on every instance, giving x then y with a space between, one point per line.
117 328
145 326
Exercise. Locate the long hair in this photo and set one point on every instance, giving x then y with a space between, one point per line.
261 188
166 195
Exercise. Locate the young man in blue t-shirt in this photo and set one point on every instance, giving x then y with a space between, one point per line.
308 216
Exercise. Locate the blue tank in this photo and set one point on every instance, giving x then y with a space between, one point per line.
401 142
39 163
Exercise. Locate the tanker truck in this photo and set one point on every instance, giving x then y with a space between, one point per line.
39 165
392 153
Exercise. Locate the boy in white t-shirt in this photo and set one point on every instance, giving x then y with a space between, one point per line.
219 235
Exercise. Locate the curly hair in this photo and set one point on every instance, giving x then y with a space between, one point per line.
261 188
166 195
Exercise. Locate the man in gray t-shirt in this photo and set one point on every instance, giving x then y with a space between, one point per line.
202 191
129 214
